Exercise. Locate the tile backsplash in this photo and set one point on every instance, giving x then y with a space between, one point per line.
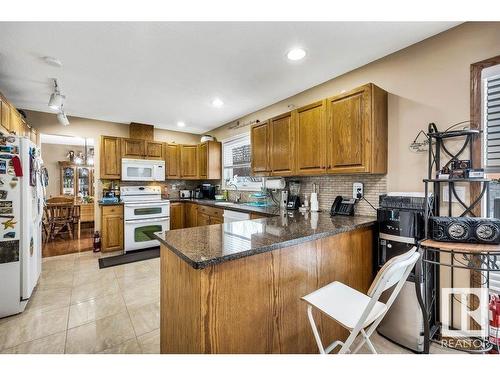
328 188
331 186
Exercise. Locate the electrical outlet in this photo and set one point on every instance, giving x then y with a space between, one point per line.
357 190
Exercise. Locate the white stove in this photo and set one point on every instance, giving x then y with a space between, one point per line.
145 213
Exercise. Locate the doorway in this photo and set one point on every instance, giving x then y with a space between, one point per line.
70 167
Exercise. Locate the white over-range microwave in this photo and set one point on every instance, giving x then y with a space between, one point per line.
143 170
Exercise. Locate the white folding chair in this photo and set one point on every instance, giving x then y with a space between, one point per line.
356 311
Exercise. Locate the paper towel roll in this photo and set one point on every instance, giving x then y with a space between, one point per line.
314 202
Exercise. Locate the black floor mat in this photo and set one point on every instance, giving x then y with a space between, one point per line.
134 256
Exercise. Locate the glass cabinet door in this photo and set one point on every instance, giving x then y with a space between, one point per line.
84 181
68 181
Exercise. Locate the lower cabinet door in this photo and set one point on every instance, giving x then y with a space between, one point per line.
176 215
203 219
112 233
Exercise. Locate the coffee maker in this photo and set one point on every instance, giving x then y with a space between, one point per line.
293 202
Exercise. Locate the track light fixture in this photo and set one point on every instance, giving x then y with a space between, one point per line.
62 118
56 100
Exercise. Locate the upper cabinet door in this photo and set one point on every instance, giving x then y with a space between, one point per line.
310 139
5 115
203 159
154 150
259 140
172 156
133 148
282 145
349 132
110 159
189 161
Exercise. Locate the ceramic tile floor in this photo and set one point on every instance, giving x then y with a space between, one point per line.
79 308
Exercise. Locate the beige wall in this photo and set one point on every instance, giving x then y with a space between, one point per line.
427 82
52 155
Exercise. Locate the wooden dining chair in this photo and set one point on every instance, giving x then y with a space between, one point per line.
61 199
60 216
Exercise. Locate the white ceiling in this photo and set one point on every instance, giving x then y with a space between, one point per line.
162 73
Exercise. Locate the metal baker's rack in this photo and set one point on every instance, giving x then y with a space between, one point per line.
473 257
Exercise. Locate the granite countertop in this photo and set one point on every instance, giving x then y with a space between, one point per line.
240 207
213 244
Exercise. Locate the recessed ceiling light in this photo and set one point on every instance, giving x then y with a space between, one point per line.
52 61
217 103
180 124
296 54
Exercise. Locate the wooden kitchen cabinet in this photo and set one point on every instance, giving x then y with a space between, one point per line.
16 126
133 148
216 220
210 160
259 139
5 114
172 161
189 161
209 215
202 219
344 134
281 142
176 215
310 144
357 131
111 228
110 158
190 215
154 150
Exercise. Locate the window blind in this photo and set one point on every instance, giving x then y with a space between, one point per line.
237 152
492 124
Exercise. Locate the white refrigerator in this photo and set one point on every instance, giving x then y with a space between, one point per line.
21 212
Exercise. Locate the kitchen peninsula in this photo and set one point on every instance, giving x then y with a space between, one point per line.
236 287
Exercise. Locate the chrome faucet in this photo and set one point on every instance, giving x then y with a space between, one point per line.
238 195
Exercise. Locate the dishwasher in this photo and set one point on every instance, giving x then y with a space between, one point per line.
230 216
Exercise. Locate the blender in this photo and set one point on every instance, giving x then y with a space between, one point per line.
293 198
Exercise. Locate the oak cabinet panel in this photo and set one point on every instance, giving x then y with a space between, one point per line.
154 150
190 215
310 146
110 158
202 219
281 145
189 161
210 160
203 159
15 122
357 131
216 220
259 139
176 215
172 162
112 228
133 148
5 115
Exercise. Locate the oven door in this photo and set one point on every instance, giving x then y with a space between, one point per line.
139 233
139 211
